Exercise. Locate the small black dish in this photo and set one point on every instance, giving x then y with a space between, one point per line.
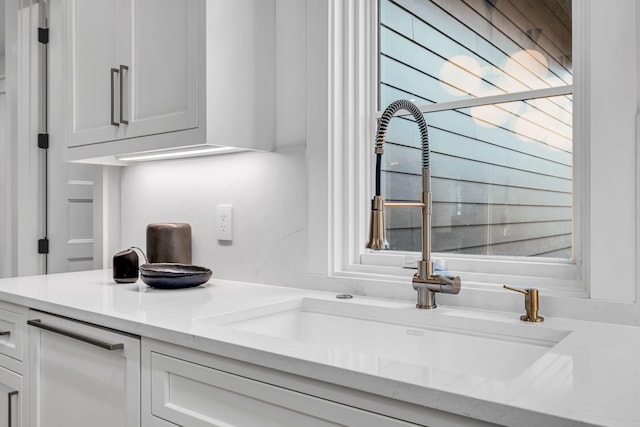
174 275
176 282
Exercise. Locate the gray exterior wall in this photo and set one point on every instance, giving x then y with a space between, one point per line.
499 187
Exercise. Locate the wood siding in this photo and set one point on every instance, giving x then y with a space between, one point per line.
502 175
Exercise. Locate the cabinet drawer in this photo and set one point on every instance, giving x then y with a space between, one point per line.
12 326
189 394
81 374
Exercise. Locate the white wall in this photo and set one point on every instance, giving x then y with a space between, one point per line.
269 194
5 220
4 188
612 136
267 191
3 16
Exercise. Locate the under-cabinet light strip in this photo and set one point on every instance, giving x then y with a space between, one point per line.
177 154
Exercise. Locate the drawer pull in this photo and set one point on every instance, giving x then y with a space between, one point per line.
9 396
102 344
5 333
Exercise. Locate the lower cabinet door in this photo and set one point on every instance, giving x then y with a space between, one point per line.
188 394
12 411
81 375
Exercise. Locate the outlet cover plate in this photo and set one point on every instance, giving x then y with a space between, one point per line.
224 222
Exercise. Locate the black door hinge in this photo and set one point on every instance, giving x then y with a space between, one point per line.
43 246
43 141
43 35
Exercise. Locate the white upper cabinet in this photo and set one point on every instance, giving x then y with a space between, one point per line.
133 68
148 76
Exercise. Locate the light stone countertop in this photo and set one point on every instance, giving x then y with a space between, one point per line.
592 376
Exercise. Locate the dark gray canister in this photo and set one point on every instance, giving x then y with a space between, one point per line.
169 242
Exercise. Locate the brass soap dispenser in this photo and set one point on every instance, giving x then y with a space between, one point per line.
530 304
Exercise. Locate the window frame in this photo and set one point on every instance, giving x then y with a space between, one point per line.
609 235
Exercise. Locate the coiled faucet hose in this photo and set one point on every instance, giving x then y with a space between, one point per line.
383 123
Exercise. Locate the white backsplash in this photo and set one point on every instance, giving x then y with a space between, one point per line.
268 194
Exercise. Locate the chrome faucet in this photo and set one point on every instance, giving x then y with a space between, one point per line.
426 281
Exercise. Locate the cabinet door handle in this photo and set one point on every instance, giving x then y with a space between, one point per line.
102 344
122 68
5 333
113 94
9 396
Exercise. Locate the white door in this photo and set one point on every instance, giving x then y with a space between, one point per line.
76 216
24 176
80 375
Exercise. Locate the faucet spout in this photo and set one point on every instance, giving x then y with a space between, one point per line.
376 231
425 281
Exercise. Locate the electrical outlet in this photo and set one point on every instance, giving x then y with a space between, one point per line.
224 222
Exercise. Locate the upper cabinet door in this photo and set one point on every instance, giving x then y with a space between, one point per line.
92 52
161 82
132 68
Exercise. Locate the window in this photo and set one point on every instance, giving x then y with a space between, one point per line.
495 82
341 103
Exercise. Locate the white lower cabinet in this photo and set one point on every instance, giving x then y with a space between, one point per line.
188 394
12 408
81 375
185 387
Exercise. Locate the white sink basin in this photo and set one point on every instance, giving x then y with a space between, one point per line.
388 331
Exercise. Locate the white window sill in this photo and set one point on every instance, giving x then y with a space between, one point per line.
479 294
553 277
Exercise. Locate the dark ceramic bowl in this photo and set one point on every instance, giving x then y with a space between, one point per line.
176 282
172 270
174 275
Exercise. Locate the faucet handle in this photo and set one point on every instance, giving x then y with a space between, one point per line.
530 304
